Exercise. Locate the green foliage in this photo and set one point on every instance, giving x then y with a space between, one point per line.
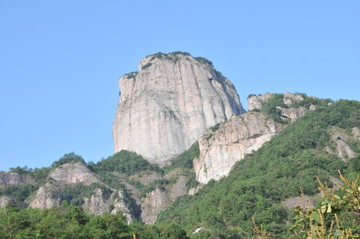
61 222
160 183
132 74
203 60
73 223
308 101
68 158
18 193
270 107
251 95
40 174
147 65
215 127
173 56
124 162
192 182
74 193
284 167
20 170
337 216
185 159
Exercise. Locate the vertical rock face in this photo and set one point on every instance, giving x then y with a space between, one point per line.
169 104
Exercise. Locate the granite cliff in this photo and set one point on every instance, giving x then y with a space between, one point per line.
166 106
222 146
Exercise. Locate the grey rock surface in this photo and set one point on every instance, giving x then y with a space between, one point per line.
239 136
155 202
169 104
341 139
73 173
4 201
255 102
8 179
159 199
46 196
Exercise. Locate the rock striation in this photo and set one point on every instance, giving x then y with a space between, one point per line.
221 149
165 107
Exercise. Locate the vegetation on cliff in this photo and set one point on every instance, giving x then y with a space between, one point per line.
246 204
286 166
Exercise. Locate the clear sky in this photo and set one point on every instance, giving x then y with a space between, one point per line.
60 60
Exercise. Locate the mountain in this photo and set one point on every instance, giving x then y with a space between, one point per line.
192 163
265 186
169 104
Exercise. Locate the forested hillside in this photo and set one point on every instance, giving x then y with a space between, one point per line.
285 167
260 198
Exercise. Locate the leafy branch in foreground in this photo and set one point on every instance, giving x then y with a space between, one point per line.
338 215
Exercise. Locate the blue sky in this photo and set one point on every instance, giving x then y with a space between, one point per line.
60 61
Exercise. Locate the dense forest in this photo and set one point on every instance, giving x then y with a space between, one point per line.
287 166
298 162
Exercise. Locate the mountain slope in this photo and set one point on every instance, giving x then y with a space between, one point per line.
286 166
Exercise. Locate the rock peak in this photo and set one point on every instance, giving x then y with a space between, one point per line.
165 107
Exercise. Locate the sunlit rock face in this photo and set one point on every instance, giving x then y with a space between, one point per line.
47 196
231 142
165 107
76 172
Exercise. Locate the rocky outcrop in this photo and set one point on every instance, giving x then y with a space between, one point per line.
99 203
255 102
155 202
160 198
73 173
8 179
290 98
230 143
241 135
341 139
4 201
119 205
145 177
304 202
46 196
356 133
169 104
292 113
